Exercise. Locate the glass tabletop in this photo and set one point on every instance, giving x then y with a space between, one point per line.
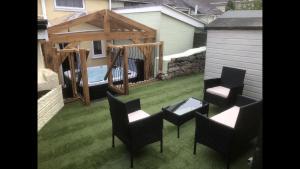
186 106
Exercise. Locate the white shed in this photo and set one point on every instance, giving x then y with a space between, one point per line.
235 40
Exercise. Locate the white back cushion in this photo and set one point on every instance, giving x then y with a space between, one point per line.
227 117
137 115
219 91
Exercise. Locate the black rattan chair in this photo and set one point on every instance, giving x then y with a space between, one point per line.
132 126
222 136
257 158
223 91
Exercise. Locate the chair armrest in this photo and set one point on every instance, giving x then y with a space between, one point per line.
148 125
133 105
235 91
243 100
206 122
248 121
211 82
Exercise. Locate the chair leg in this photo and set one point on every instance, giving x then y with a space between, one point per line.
177 131
113 140
161 145
195 144
228 163
131 160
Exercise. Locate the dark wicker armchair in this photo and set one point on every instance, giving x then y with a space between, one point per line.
223 91
231 128
134 127
257 158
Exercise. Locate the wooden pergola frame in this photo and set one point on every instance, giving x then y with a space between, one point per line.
112 27
146 49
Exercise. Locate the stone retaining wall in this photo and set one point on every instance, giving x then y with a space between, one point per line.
186 65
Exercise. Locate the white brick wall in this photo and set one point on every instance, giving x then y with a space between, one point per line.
49 105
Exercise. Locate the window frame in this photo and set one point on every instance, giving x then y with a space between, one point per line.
66 8
97 56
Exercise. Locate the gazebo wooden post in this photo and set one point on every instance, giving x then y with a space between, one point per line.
86 93
47 49
72 71
160 59
109 64
150 51
125 71
52 58
146 61
56 62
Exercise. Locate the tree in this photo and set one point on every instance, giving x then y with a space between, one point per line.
230 5
257 4
251 5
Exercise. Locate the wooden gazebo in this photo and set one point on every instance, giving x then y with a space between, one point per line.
112 26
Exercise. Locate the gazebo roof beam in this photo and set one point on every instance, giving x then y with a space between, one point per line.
125 20
97 35
77 21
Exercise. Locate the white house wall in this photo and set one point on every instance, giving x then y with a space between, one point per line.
150 19
240 49
177 35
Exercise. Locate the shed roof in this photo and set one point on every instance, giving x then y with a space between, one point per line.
204 6
242 14
238 19
165 9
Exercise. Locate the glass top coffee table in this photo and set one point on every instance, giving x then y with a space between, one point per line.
183 111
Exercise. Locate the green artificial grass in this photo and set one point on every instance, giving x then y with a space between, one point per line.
79 137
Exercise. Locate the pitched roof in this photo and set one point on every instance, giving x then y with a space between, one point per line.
238 19
204 6
167 10
242 14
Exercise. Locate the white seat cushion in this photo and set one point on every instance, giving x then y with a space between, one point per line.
219 91
137 115
227 117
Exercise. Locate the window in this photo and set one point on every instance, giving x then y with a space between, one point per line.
69 4
98 50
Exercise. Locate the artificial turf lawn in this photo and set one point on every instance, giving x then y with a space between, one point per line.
79 137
